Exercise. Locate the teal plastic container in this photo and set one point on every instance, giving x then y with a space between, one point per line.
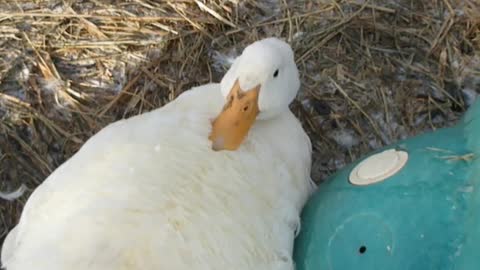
426 216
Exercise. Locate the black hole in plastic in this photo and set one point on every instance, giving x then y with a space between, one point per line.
275 74
362 249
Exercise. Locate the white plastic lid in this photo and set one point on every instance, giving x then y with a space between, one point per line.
378 167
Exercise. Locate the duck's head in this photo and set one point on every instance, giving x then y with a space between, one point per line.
260 85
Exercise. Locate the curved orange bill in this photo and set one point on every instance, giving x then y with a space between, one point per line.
231 126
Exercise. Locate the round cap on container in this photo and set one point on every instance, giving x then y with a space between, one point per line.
378 167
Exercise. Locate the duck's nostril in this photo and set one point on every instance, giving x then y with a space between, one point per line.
362 249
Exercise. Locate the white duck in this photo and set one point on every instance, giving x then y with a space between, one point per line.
150 193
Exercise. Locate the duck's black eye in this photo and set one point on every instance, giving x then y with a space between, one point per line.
275 74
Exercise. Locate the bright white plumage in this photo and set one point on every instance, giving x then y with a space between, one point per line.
150 193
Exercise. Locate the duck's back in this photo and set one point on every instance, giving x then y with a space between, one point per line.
149 193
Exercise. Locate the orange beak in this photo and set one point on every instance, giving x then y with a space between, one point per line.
231 126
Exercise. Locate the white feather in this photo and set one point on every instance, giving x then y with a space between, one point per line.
11 196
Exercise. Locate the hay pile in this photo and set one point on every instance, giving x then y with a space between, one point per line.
372 71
